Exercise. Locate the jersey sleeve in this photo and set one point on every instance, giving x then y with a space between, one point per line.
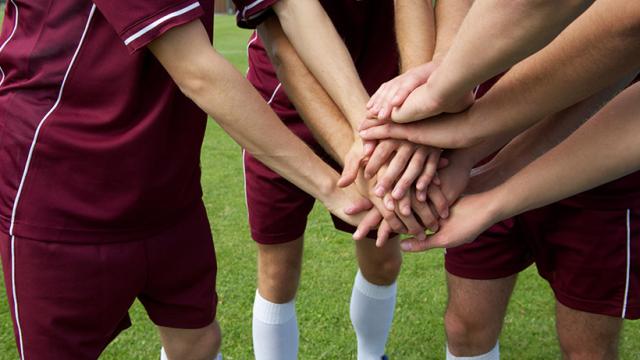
138 22
252 12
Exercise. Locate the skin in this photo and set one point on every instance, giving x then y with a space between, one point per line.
538 86
200 78
530 24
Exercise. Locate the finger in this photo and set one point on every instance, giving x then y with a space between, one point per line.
369 123
358 206
425 213
382 93
385 103
350 171
439 201
413 170
380 156
389 203
421 195
429 170
415 245
384 232
368 147
393 221
443 163
404 205
413 226
376 96
397 165
368 223
403 91
386 131
436 179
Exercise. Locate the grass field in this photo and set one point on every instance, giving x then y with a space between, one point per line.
328 273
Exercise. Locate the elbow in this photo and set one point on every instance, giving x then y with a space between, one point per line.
194 78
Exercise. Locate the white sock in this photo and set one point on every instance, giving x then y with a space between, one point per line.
372 308
163 355
275 330
493 354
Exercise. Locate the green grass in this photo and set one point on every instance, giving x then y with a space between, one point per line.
327 277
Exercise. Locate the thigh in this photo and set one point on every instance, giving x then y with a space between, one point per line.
180 289
586 335
482 302
590 257
279 268
69 301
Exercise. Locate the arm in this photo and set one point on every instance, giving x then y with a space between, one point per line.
313 35
530 25
322 116
415 32
243 114
421 59
573 67
605 148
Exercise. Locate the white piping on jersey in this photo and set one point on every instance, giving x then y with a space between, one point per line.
275 91
244 177
24 176
626 286
251 41
15 27
250 6
155 24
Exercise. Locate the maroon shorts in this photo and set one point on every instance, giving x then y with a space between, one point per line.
590 257
278 210
72 299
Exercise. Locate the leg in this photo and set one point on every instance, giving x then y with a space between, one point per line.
191 344
374 292
275 327
587 336
79 304
475 313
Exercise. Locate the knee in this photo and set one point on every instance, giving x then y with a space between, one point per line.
278 282
203 346
382 271
601 351
468 336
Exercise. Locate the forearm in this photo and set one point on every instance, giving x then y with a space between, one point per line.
539 139
320 47
578 64
605 148
319 112
221 91
495 35
449 15
415 32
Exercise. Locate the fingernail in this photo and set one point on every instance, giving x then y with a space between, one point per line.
379 191
445 214
397 194
406 211
436 180
363 133
405 246
421 236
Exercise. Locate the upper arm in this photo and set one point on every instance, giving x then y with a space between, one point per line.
139 22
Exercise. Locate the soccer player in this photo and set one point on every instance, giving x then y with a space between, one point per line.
100 200
331 115
583 245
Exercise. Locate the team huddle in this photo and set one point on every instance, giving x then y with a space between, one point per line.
502 131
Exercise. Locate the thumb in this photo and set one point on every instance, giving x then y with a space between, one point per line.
350 171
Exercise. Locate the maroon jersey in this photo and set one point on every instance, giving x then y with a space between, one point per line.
366 26
96 140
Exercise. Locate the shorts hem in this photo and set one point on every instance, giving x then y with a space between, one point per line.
597 307
474 273
275 239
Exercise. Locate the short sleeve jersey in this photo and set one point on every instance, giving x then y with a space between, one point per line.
97 143
366 26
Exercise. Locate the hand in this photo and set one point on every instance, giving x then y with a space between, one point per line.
356 157
423 103
406 162
347 204
394 92
450 131
470 216
397 222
